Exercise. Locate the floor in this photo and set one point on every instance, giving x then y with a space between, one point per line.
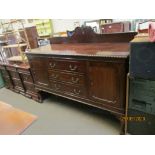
59 116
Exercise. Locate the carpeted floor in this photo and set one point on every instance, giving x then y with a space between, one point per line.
13 121
59 116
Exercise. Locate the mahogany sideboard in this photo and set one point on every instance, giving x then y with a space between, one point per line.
87 67
18 78
97 79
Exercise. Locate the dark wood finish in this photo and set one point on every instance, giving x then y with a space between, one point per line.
87 35
38 70
102 80
32 35
20 80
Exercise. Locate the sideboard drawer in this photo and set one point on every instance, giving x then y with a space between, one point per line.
75 91
67 65
17 83
10 68
27 78
29 87
68 89
67 77
14 74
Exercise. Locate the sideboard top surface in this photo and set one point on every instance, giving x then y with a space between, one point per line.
85 49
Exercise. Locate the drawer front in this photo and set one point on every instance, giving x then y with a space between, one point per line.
10 68
144 106
8 82
17 83
75 91
14 74
142 95
27 78
67 65
24 71
68 89
29 87
67 77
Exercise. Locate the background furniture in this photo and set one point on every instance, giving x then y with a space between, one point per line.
15 43
32 36
1 81
19 79
44 27
142 58
116 27
13 65
142 86
142 104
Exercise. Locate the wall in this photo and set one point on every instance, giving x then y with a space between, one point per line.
61 25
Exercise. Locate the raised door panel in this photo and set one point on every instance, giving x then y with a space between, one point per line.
105 83
39 71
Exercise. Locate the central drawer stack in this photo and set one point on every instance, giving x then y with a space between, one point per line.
67 77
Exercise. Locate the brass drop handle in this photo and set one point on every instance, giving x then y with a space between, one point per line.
77 91
72 68
54 75
26 78
52 65
75 80
57 86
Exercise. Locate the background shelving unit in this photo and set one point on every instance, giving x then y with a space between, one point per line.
44 27
16 44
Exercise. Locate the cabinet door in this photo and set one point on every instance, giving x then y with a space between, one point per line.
107 83
39 71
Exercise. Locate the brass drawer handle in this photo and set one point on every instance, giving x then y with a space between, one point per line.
26 78
76 91
54 75
52 65
75 80
72 68
57 87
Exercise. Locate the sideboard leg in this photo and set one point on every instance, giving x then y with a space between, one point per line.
122 130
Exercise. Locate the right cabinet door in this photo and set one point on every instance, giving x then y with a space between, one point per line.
107 83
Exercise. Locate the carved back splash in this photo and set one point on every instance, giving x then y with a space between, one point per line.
87 35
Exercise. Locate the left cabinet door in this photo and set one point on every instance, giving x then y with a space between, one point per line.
39 70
